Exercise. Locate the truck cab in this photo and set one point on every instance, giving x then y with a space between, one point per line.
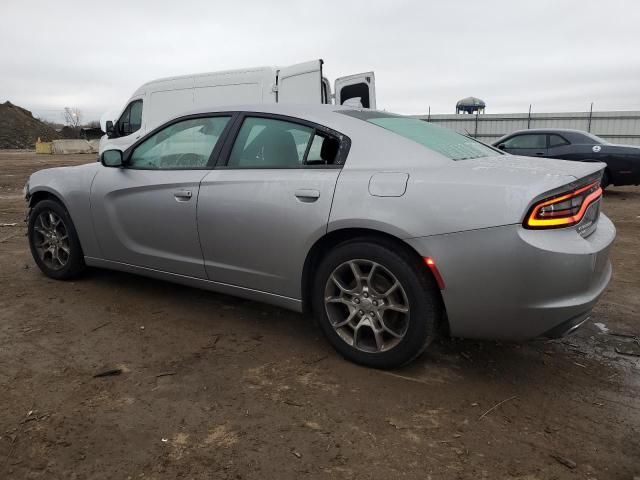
158 101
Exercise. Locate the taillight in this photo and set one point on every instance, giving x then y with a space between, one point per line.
563 210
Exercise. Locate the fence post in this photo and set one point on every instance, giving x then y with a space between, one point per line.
475 135
529 118
590 115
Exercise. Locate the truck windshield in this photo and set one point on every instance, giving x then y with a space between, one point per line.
444 141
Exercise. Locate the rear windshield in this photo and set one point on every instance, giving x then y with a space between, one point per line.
594 138
442 140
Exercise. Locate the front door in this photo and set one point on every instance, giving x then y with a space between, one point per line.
145 213
259 215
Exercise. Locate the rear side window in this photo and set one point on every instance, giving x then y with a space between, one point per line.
557 141
183 145
272 143
527 141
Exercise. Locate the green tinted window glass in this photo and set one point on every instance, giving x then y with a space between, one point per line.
183 145
444 141
269 143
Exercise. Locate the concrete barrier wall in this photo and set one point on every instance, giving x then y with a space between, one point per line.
72 146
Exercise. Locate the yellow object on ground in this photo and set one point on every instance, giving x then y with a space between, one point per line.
44 147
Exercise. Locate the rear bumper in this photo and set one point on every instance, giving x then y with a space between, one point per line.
516 284
568 327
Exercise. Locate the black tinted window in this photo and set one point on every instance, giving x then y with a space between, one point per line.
131 119
135 118
359 91
557 141
527 141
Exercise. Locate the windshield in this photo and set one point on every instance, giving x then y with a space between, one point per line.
444 141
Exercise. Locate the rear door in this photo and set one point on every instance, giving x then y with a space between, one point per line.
527 144
260 213
300 83
145 213
359 87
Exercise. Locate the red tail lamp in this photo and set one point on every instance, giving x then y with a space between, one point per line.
563 210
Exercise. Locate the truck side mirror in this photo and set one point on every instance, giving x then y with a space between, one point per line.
110 130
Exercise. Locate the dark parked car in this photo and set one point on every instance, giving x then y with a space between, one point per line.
623 161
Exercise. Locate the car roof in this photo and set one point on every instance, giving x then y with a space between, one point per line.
549 130
316 113
280 108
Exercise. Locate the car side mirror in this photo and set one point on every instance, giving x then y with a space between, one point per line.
112 158
501 146
110 130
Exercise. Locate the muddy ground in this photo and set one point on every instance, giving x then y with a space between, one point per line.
217 387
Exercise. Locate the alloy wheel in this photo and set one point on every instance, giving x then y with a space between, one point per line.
51 240
367 305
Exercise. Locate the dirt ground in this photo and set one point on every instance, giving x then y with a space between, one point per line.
217 387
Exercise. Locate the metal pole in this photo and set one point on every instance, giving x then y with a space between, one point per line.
475 135
429 115
529 118
590 115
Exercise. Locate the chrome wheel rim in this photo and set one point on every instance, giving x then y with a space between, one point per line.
367 306
51 240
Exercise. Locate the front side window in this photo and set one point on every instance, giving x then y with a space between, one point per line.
441 140
131 119
184 145
270 143
527 141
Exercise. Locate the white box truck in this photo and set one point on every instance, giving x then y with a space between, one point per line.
160 100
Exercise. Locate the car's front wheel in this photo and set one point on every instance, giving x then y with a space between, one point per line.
54 242
375 303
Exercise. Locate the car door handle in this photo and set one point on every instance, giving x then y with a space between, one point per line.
539 153
307 194
183 195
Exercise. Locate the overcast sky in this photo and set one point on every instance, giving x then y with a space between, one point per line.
558 55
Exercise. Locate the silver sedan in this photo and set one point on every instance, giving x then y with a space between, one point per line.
387 229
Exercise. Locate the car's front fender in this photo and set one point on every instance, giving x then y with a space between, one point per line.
71 186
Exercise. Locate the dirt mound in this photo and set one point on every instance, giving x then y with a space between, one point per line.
18 128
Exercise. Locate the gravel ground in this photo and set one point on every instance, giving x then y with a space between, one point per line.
217 387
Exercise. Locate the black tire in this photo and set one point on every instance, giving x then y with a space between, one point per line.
424 300
74 260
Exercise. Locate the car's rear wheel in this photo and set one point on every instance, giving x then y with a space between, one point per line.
54 242
376 304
